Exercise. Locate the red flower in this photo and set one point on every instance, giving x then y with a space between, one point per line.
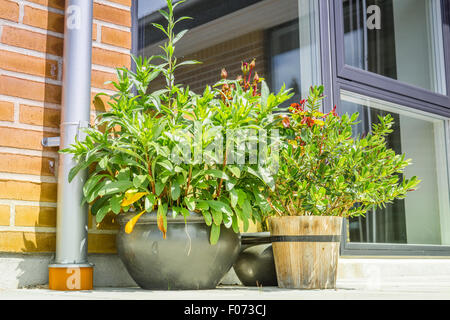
298 107
286 122
333 112
308 121
295 107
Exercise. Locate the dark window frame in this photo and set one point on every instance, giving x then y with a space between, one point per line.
337 77
344 71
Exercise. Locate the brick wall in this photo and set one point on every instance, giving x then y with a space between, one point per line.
31 50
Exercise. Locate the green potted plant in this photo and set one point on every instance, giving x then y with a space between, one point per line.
326 174
161 160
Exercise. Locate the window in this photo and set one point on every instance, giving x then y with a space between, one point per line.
225 33
405 45
392 56
423 217
394 45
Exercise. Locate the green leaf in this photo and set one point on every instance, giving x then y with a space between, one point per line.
115 204
115 187
215 234
217 174
166 164
208 217
234 197
139 180
175 191
265 92
98 204
219 206
247 209
235 224
190 203
150 201
242 197
81 166
202 205
159 187
217 216
235 171
124 174
102 213
91 183
103 163
179 36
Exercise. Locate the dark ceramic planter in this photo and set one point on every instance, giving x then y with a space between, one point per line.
185 260
255 265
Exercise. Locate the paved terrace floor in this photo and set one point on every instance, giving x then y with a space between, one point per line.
406 289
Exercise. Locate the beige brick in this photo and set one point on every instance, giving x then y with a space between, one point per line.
28 216
28 191
23 164
6 111
9 10
99 78
101 243
32 40
27 89
43 19
116 37
113 15
57 4
23 139
5 212
40 116
27 242
110 58
27 64
94 32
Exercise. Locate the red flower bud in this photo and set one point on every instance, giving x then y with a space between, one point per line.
245 68
256 78
224 74
252 65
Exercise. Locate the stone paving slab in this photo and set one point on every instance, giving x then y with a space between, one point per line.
401 290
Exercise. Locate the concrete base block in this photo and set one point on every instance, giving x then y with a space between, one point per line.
28 270
20 270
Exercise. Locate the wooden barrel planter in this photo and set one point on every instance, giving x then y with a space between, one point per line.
306 251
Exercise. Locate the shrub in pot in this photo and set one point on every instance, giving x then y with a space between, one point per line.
327 173
159 159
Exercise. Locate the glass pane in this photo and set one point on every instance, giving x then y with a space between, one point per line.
424 216
225 33
399 39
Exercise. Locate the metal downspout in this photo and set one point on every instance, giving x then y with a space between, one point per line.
71 270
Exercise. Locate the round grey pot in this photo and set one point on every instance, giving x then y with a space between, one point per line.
255 265
185 260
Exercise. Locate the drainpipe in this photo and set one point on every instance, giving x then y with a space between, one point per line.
71 270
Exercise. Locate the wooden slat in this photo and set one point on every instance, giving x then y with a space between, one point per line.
306 265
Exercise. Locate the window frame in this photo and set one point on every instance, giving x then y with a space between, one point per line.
387 84
339 77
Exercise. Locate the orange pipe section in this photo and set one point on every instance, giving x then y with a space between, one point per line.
71 278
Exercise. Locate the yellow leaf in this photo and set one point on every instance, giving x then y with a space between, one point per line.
130 224
132 198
